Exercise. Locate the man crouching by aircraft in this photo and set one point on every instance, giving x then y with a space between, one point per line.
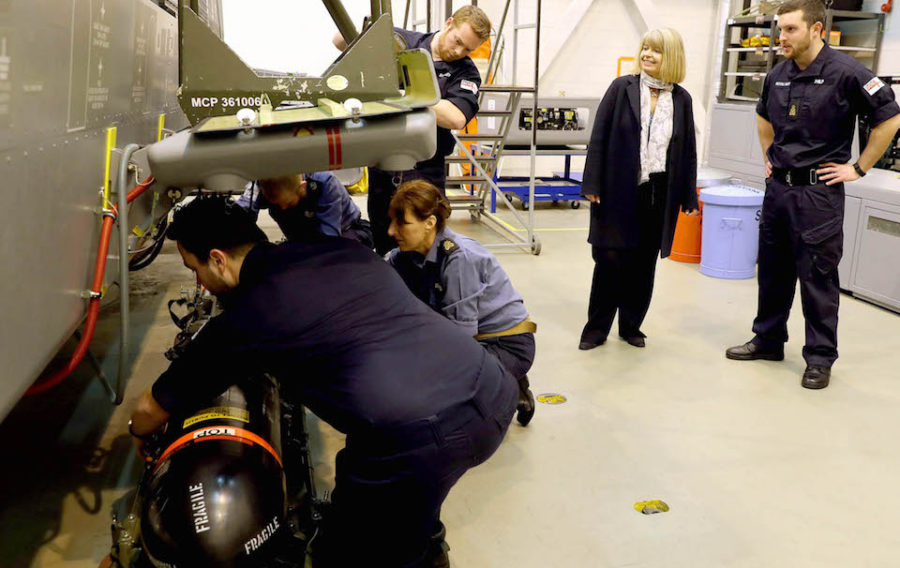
419 401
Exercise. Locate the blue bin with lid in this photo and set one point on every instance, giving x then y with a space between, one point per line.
731 216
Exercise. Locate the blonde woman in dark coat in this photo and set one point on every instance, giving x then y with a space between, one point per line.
641 169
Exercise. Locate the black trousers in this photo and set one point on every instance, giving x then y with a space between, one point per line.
623 278
382 186
515 353
361 232
390 485
800 238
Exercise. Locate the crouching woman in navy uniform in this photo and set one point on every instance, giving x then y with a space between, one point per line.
641 167
308 206
460 279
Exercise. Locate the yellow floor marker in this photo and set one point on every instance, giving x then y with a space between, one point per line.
551 398
651 507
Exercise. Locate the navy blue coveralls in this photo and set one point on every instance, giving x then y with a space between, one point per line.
458 82
813 113
419 401
327 210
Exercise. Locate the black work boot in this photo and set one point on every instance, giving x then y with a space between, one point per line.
751 351
438 550
525 408
816 377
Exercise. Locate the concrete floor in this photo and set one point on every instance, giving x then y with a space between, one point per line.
758 472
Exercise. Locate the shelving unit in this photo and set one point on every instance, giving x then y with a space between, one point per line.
745 68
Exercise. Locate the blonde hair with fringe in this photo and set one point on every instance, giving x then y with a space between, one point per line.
668 42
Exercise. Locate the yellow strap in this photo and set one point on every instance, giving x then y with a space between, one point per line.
524 326
161 124
110 146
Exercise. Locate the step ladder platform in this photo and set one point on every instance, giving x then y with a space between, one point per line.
466 179
480 136
494 113
465 160
506 89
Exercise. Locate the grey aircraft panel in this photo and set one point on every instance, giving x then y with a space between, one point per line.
69 69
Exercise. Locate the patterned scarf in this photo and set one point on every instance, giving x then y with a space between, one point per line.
655 135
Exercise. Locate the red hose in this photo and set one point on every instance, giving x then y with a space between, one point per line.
140 188
96 288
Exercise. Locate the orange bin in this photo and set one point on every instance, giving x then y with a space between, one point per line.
689 230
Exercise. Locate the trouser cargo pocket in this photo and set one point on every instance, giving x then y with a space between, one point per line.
824 244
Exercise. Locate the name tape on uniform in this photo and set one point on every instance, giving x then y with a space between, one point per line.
469 86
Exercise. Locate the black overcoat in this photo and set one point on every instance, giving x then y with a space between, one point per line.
613 166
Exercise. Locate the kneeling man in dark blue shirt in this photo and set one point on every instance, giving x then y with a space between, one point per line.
419 401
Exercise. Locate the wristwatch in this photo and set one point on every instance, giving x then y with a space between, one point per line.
859 170
135 434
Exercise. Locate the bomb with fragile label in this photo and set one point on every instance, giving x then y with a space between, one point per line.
216 495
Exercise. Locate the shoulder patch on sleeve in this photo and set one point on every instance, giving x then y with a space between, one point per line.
873 86
469 86
449 246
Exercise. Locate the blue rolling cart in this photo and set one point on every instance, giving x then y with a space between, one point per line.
559 186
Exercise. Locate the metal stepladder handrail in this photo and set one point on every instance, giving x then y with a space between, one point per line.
485 176
485 166
411 10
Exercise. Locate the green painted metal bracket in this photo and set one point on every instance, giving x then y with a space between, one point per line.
216 83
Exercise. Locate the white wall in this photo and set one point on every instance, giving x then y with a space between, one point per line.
591 36
286 35
889 63
295 35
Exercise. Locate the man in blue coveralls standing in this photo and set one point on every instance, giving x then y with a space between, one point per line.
806 118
